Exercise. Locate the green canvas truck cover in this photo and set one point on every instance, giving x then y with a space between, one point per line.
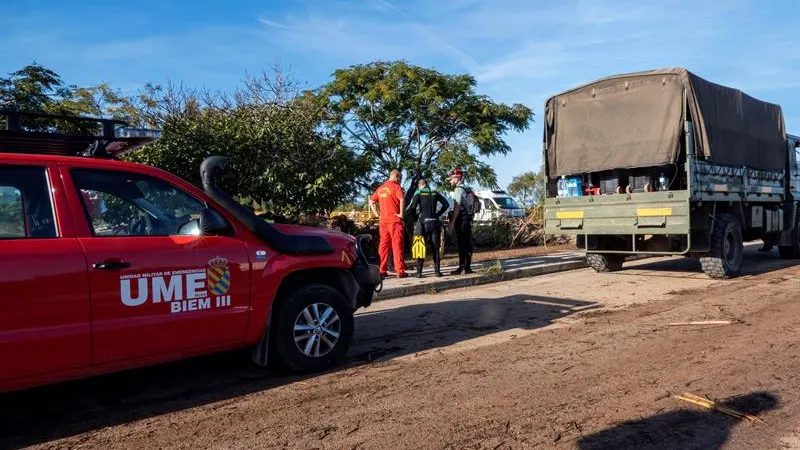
635 120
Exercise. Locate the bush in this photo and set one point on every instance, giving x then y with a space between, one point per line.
344 224
517 232
340 223
281 154
369 227
312 220
501 233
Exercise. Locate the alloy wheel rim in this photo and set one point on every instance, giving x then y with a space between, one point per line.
317 329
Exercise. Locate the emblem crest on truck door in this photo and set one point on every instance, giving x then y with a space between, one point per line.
219 275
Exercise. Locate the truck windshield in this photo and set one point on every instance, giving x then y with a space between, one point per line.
506 203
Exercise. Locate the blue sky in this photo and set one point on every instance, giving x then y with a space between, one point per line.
519 51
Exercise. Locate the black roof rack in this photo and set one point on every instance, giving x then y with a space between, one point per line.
35 133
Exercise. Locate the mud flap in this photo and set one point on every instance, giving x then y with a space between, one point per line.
261 350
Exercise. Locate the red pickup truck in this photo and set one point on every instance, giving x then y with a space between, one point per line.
107 265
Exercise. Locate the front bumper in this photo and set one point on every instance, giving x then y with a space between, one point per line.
365 270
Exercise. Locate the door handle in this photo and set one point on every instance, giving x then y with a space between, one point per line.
110 265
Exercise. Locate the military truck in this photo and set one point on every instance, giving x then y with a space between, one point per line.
664 162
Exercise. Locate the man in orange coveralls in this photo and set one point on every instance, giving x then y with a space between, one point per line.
391 200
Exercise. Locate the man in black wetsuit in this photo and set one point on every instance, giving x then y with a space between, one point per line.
425 201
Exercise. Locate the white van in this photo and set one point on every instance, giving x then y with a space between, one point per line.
494 204
498 204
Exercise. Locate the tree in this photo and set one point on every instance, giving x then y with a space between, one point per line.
37 89
279 155
101 101
419 120
32 88
529 188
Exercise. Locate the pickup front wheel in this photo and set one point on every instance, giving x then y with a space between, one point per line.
314 328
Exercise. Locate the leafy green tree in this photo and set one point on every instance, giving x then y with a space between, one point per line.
37 89
280 157
422 121
528 187
33 88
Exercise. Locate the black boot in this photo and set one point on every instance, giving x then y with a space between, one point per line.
460 267
419 268
436 270
461 261
468 264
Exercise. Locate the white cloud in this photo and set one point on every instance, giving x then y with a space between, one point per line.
435 39
271 23
536 61
359 33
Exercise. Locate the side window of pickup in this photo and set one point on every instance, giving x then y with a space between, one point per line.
26 209
128 204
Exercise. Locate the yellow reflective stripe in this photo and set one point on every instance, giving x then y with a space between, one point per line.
652 212
569 215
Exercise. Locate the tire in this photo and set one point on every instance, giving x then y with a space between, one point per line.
792 251
727 249
605 263
298 334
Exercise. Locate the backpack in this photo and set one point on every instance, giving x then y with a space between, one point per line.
473 204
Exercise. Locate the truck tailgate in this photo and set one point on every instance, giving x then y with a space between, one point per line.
638 213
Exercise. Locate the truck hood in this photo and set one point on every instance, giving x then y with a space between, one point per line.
336 238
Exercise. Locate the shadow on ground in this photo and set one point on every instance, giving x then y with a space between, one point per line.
754 263
686 429
45 414
420 327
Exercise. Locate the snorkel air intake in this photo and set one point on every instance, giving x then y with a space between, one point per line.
288 244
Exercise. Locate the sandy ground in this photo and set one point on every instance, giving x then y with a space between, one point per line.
575 360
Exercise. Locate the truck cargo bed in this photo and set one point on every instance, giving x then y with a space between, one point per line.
713 182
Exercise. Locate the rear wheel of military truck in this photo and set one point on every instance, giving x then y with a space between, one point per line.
727 248
605 262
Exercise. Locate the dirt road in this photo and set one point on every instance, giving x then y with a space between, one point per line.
575 360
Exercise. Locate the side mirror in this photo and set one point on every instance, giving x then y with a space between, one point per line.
213 224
